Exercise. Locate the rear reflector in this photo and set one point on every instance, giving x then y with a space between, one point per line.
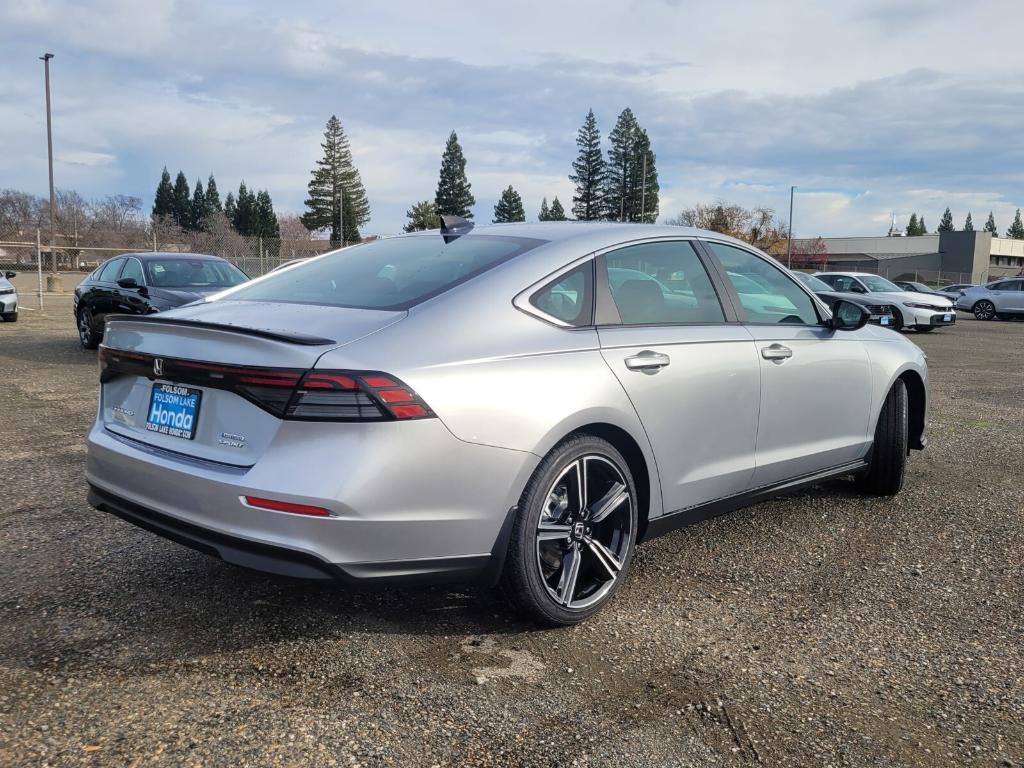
286 506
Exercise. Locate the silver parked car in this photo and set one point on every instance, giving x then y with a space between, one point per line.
922 311
519 404
8 297
1003 299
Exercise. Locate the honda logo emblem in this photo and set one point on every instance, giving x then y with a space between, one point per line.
158 366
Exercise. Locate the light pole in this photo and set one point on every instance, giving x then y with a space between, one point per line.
789 240
45 58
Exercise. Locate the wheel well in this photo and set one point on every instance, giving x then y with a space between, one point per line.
627 446
916 400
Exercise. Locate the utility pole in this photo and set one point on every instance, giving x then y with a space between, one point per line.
789 240
45 58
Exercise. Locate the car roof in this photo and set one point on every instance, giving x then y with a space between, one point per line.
151 255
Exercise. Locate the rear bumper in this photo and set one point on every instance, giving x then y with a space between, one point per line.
409 502
283 561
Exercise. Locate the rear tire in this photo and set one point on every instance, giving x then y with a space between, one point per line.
889 453
568 555
87 335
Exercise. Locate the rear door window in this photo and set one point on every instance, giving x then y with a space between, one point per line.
663 282
394 273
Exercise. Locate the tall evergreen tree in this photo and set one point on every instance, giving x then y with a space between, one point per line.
946 225
557 211
619 174
990 225
922 228
182 207
509 207
336 181
453 194
545 212
212 196
1016 230
266 220
423 215
912 225
163 200
968 223
230 208
644 202
198 215
588 172
246 220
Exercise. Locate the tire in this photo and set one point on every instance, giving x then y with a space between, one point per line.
897 321
87 335
984 310
575 547
889 453
11 317
925 328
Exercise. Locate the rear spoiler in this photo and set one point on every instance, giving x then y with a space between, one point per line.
291 337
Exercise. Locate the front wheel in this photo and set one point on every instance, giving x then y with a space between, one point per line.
11 317
884 477
573 539
985 310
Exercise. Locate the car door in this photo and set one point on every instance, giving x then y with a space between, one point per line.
133 300
815 383
103 297
1008 296
687 365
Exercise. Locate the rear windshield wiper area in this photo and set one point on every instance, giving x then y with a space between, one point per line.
291 337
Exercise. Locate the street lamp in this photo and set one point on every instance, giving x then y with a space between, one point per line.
789 240
45 58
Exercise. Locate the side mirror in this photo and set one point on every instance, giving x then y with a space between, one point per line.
128 282
847 316
10 275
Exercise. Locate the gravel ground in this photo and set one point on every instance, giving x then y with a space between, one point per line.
819 629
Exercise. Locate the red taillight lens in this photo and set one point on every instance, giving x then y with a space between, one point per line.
286 506
354 396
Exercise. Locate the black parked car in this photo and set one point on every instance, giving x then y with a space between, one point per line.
879 314
144 283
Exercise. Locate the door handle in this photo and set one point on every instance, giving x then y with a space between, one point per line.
647 361
776 352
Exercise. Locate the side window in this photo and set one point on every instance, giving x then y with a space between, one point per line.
108 273
133 269
662 283
570 298
766 293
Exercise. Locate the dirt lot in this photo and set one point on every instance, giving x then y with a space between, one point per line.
819 629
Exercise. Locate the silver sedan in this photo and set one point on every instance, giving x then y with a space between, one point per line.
1002 298
520 404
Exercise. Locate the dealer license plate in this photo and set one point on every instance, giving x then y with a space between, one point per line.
174 410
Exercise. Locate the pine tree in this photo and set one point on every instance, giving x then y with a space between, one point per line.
198 215
990 225
946 225
230 208
245 220
163 200
619 175
588 172
644 203
422 215
265 218
968 223
1016 230
545 212
922 229
509 207
182 206
912 225
557 211
212 196
334 180
453 194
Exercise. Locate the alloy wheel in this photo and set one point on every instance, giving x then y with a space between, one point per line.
584 532
85 327
984 310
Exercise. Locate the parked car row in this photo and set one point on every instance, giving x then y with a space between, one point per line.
923 312
8 297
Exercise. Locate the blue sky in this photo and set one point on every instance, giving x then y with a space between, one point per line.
868 107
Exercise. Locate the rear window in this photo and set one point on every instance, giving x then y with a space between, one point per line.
193 273
387 274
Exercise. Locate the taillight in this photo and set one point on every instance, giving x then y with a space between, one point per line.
288 393
354 396
286 506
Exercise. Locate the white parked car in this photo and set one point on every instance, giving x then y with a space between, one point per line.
922 311
8 297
